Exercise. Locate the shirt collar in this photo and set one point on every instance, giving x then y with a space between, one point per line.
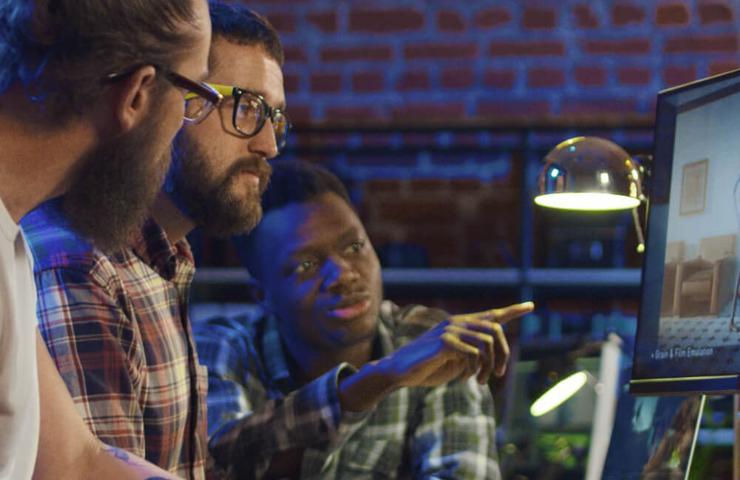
155 249
7 225
275 360
274 357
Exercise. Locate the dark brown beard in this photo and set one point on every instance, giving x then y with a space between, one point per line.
116 187
211 204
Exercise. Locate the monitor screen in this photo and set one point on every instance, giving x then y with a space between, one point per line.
688 333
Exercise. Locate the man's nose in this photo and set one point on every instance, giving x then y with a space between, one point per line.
264 143
339 273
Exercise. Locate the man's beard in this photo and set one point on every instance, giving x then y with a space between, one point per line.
211 203
116 186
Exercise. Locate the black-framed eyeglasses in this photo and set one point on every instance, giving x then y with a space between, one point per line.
251 111
200 98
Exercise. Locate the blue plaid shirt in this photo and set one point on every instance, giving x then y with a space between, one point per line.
256 409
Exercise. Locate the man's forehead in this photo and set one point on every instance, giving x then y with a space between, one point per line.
246 66
300 226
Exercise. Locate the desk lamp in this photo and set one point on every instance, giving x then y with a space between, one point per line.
592 174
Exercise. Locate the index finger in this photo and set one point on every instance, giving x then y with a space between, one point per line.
501 315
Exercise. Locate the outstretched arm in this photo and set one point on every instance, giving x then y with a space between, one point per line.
455 348
329 409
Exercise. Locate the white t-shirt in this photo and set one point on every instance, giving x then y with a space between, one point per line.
19 389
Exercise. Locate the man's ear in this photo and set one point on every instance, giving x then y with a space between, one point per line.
257 292
132 98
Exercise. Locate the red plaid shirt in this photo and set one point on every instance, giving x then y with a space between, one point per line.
118 330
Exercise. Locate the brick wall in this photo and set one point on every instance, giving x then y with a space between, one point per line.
383 67
416 60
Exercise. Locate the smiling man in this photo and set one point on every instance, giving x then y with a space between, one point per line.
116 323
326 380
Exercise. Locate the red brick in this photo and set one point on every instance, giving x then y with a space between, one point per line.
585 17
324 21
326 82
441 50
633 76
326 139
504 202
377 139
718 43
672 14
633 46
721 66
292 82
715 13
492 17
625 14
443 245
450 21
353 113
386 20
588 76
436 228
539 18
542 77
428 185
466 185
283 22
534 47
513 108
344 54
419 139
367 82
676 75
430 111
499 78
600 107
466 139
383 186
294 55
413 80
458 78
390 158
299 114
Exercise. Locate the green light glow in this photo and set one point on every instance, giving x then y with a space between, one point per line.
559 393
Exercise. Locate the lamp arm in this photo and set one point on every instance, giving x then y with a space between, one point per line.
645 163
638 231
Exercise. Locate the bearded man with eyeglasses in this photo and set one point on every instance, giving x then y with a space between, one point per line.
116 321
88 107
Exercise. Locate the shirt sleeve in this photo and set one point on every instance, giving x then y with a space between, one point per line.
243 438
94 347
455 436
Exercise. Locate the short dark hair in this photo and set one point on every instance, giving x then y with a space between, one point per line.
292 181
243 26
59 50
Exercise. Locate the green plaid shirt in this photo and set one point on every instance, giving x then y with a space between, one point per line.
256 409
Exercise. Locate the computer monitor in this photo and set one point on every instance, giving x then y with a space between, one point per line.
688 333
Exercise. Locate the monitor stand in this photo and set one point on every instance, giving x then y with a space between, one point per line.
736 446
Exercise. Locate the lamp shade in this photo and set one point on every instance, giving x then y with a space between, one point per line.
589 173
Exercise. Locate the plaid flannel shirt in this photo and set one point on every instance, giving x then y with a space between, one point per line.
256 409
117 329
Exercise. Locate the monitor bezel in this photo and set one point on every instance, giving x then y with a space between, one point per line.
668 107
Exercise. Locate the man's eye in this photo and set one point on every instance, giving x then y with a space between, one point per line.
357 246
305 266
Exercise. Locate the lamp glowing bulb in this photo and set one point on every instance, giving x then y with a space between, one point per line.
586 201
